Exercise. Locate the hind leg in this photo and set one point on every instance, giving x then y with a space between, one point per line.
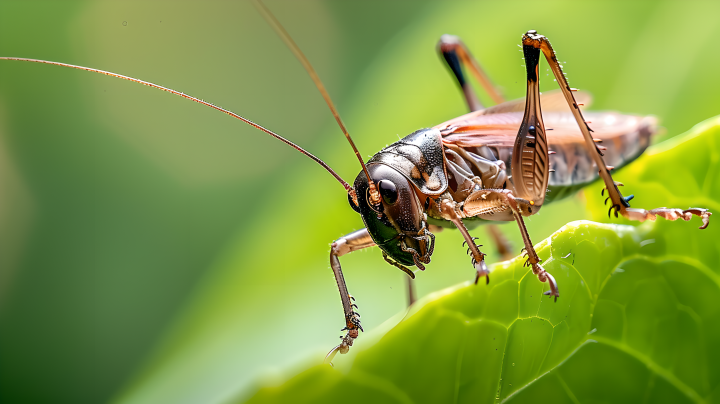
619 203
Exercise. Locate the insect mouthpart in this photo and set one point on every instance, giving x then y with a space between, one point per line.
422 246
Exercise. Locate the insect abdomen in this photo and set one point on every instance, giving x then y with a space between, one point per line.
621 143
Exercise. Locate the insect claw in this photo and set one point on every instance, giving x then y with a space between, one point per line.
549 293
602 193
343 348
543 276
705 219
482 270
704 214
331 355
606 199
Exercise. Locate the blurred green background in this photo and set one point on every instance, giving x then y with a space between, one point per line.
152 250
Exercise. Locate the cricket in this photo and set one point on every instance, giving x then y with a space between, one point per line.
498 163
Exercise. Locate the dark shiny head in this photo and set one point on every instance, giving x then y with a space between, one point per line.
398 226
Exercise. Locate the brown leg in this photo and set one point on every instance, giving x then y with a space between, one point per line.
447 209
533 259
456 56
504 248
619 203
352 242
498 200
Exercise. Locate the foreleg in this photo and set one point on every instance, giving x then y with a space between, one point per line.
352 242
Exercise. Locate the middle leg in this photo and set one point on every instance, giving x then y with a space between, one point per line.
457 56
450 210
499 200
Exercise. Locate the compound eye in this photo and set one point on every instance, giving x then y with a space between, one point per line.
388 190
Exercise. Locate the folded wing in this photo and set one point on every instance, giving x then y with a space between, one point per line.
624 136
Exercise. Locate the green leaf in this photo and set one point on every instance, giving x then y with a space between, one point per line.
638 319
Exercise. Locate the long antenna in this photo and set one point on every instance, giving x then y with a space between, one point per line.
275 24
348 188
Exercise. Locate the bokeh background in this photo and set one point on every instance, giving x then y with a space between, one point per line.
153 250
